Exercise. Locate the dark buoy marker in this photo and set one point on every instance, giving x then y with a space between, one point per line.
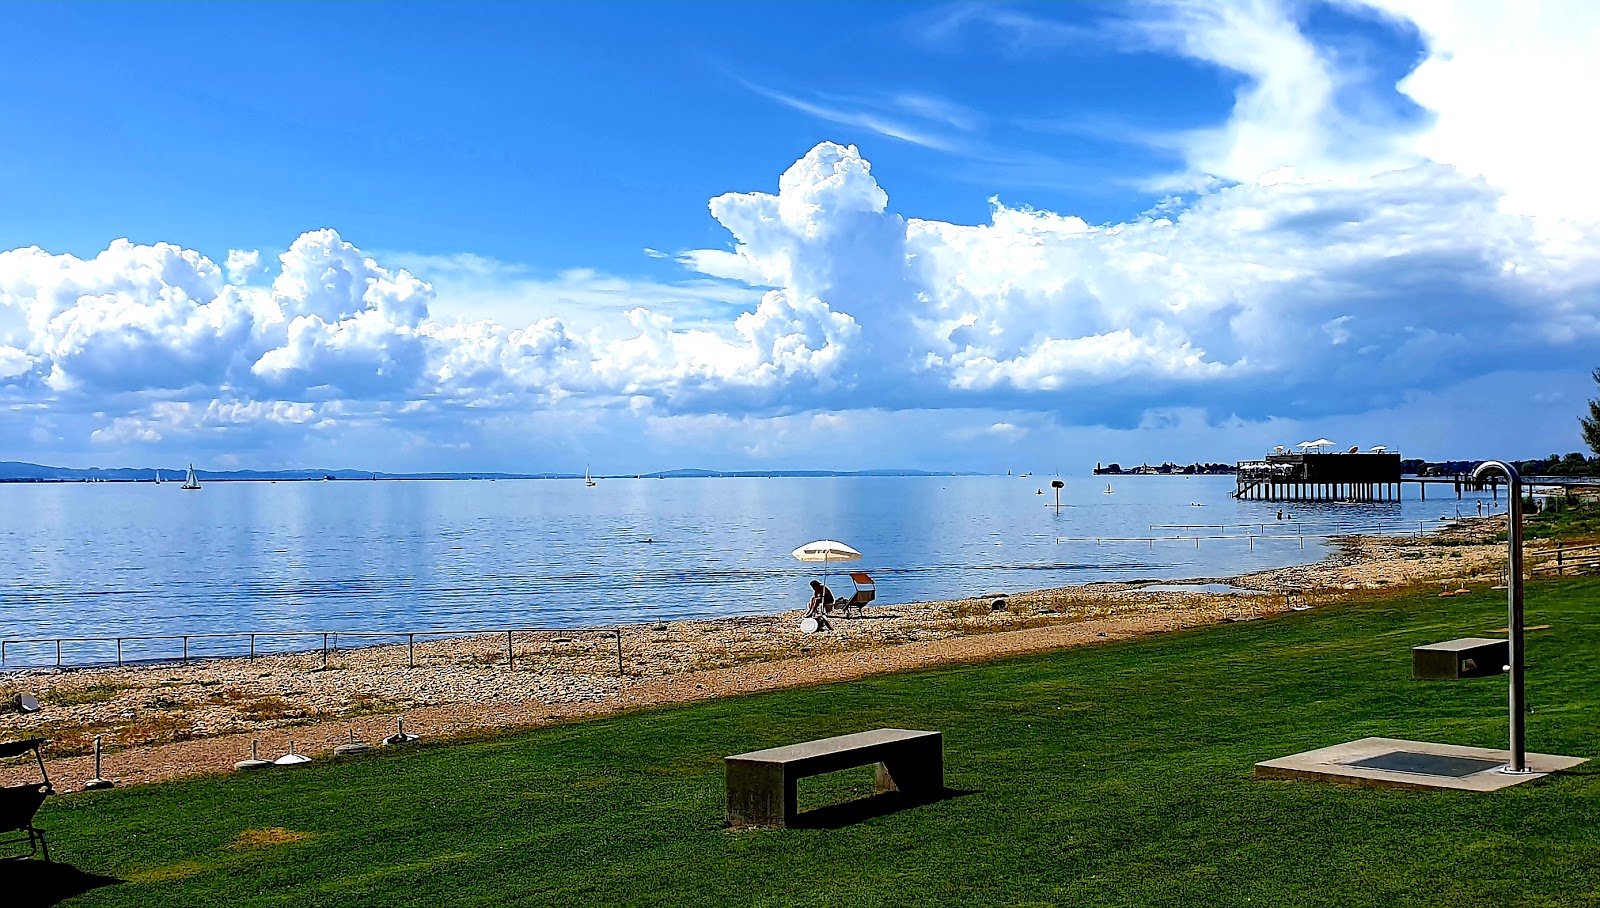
255 761
1058 485
399 736
98 781
354 747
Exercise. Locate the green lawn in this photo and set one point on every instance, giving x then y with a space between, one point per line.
1113 775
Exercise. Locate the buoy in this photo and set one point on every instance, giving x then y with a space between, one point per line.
97 782
291 758
255 761
354 747
399 736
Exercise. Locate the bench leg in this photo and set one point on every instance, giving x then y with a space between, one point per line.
920 778
760 794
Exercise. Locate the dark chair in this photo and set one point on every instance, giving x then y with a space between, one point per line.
18 803
866 591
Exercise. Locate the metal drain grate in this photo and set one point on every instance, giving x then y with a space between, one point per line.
1427 764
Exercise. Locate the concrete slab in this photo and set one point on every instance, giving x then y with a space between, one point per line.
1394 763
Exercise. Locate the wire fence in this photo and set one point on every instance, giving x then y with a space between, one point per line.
69 651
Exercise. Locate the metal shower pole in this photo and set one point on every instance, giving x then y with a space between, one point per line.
1514 611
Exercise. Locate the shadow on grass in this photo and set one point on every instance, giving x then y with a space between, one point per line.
836 816
36 884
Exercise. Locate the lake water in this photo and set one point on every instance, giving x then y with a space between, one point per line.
83 559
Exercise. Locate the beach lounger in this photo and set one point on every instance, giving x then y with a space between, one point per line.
866 591
18 803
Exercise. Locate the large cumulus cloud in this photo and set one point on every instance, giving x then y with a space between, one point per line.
1316 260
1248 301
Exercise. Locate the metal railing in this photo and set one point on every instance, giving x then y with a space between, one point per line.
330 642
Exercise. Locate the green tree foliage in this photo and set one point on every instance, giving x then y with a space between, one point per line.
1591 423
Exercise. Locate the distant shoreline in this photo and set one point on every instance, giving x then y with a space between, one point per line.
19 472
209 478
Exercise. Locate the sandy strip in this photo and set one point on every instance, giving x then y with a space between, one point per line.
162 721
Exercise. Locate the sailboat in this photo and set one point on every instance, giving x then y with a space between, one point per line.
191 481
1108 490
158 477
586 480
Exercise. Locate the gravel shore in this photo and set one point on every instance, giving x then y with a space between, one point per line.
161 721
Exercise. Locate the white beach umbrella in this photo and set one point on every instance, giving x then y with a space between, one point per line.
1322 443
1306 445
826 551
1378 449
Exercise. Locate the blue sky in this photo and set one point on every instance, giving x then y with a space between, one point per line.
965 236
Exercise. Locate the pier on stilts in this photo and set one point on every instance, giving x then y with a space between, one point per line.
1354 476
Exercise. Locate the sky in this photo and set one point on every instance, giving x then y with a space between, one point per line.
640 236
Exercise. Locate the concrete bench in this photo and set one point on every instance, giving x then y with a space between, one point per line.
763 784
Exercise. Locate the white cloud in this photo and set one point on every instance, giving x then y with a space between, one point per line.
1292 114
244 267
1510 88
14 362
1333 265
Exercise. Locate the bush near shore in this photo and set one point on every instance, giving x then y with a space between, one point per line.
1108 775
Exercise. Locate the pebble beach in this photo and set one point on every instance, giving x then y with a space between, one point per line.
166 720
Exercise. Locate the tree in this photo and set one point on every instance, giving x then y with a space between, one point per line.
1591 423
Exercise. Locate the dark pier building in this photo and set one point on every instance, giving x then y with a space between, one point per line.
1353 476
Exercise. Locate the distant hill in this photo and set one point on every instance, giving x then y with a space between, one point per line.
695 473
16 471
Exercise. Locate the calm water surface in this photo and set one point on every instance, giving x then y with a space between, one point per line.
112 558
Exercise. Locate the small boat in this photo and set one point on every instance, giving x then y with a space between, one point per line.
158 477
191 481
586 479
1108 490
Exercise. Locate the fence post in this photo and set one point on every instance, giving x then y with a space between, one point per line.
186 650
1558 558
324 650
58 652
411 650
511 658
619 653
119 652
252 647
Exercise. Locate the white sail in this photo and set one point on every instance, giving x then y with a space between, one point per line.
191 481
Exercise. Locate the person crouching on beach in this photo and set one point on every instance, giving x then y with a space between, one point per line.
821 601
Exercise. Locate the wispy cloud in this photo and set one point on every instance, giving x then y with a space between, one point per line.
1015 30
883 122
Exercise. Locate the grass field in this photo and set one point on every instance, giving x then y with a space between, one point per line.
1112 775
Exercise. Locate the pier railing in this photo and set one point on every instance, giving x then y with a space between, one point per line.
64 646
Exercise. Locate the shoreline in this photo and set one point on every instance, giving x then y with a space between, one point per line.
166 720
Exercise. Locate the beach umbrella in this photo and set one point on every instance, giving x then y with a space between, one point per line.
1306 445
1321 443
825 552
1379 449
